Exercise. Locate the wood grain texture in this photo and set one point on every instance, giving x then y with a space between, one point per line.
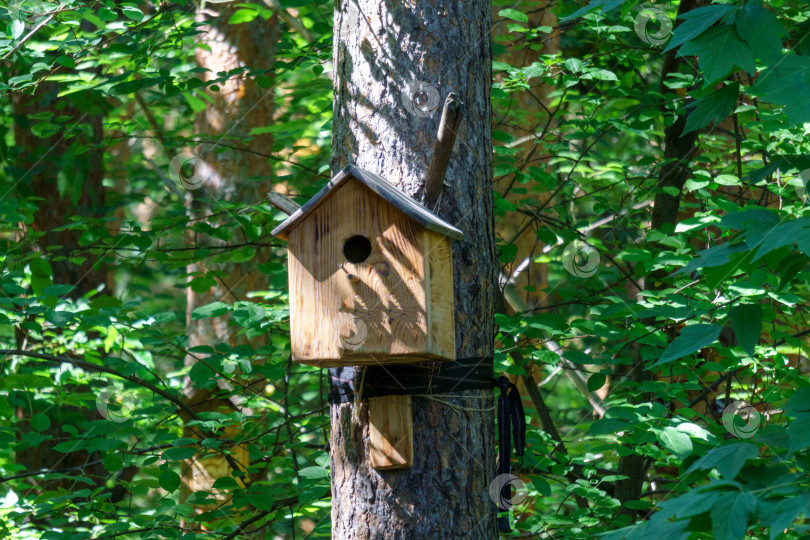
380 49
395 307
439 289
390 432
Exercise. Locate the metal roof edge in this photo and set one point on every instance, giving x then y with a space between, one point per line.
382 188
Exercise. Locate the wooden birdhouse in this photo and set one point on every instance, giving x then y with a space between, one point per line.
370 274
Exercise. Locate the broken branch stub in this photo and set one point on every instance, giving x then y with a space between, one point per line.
443 148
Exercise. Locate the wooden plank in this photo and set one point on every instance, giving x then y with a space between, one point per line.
439 285
390 432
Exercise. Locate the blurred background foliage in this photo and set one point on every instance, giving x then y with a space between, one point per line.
653 227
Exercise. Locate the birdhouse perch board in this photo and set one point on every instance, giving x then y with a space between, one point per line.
370 276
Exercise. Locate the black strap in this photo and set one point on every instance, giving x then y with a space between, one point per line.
474 373
510 414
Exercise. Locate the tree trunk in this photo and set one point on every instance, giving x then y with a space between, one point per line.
50 161
678 150
394 66
70 185
230 175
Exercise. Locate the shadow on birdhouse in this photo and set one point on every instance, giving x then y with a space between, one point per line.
370 274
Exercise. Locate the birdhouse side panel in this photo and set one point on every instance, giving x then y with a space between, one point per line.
441 305
358 293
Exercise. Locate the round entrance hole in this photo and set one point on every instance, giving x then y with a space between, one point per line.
357 249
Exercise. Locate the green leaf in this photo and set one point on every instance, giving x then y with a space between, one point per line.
314 473
786 163
202 284
799 433
712 257
730 515
17 28
800 400
247 313
746 320
694 23
197 105
226 482
40 268
606 6
40 422
726 180
781 515
712 108
169 480
214 309
676 441
602 75
112 336
201 375
106 14
66 61
541 486
507 253
59 318
514 14
727 459
578 357
784 233
132 12
596 381
786 82
760 29
261 496
177 454
692 503
57 290
692 339
112 461
243 16
719 51
128 87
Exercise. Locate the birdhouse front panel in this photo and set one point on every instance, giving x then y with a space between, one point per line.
368 284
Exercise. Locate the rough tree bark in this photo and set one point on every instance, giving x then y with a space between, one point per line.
384 53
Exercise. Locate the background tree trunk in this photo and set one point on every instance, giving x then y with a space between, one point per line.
70 185
230 175
678 150
384 53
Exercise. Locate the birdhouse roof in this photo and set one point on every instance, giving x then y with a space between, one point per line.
381 187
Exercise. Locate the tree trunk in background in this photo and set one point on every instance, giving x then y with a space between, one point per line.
529 277
678 151
70 185
230 175
381 53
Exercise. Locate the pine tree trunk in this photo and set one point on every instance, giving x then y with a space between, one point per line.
385 124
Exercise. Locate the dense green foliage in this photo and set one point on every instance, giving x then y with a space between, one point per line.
679 321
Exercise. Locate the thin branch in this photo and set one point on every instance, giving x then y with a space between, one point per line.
104 369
